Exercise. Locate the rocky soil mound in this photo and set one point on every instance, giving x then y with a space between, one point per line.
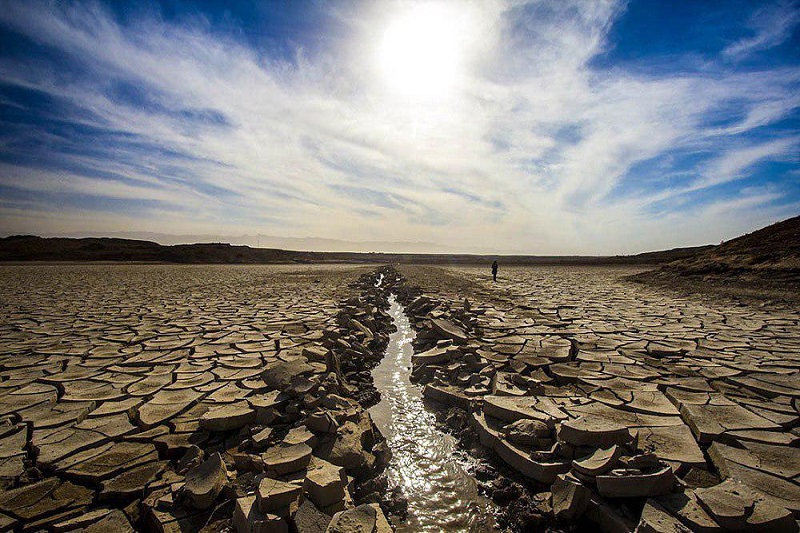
767 260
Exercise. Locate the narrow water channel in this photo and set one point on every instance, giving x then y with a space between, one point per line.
431 471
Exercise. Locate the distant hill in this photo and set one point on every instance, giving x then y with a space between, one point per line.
276 242
774 250
764 261
33 248
660 257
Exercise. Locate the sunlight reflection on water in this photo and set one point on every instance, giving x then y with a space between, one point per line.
426 463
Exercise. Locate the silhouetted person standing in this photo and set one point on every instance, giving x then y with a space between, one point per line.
494 271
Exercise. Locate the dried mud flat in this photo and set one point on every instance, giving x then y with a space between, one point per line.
187 398
177 398
624 405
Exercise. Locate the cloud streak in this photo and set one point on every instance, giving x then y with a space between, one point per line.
771 25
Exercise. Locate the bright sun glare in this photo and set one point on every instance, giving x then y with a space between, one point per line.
421 51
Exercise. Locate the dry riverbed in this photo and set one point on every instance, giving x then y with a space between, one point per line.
614 402
187 398
175 398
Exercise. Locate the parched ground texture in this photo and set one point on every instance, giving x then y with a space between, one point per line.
107 370
112 376
599 387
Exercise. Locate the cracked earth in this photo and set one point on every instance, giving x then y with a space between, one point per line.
637 406
157 397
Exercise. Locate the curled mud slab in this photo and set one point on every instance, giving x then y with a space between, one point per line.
620 404
166 398
426 464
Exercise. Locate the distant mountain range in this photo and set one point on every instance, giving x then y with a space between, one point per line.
33 248
282 243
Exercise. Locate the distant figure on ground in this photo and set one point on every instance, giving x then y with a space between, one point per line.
494 271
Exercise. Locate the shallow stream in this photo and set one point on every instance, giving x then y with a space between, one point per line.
426 464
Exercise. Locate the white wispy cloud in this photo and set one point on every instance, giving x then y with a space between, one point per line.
771 25
732 164
526 156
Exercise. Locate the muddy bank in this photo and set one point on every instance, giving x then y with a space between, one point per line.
230 404
596 426
519 504
305 455
427 466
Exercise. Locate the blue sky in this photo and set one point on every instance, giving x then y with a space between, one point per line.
543 127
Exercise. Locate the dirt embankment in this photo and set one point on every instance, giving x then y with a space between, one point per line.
762 265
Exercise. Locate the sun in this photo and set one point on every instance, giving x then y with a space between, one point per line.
421 52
